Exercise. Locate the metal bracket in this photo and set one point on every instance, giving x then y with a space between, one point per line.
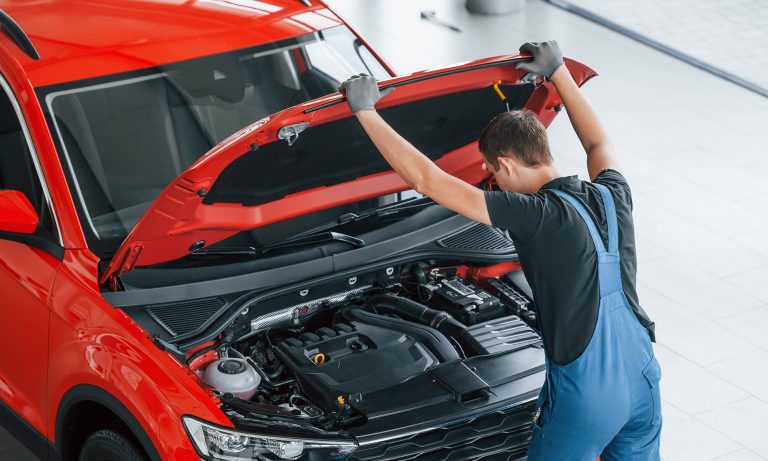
290 133
536 80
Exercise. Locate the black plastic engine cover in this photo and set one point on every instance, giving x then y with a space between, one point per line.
352 358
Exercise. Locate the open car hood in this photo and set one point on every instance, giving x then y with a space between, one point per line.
315 155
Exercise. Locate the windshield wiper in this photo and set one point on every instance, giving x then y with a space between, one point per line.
312 239
384 210
321 233
295 241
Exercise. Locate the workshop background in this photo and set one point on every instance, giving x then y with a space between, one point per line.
693 146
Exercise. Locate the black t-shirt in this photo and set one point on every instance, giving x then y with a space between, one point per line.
559 258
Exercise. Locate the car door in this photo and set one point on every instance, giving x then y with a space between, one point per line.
27 269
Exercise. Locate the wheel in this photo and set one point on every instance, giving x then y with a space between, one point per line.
111 445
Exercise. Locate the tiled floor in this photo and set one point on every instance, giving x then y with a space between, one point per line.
694 149
726 35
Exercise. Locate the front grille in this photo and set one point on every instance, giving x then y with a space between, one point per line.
479 237
502 435
185 316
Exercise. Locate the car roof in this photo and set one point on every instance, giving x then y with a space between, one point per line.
79 39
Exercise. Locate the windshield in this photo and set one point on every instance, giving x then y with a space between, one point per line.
124 138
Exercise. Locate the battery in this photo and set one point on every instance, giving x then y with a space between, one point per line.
466 302
516 302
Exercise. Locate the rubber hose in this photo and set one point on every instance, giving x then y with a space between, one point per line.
439 320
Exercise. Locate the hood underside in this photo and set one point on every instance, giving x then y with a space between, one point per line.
315 156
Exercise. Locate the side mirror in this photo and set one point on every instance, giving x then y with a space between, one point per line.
16 213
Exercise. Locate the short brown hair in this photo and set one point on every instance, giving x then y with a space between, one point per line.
517 134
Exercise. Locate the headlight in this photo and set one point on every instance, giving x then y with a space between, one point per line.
217 443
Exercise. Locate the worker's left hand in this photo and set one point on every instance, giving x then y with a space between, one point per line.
547 58
362 92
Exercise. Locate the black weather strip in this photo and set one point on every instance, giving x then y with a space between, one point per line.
584 13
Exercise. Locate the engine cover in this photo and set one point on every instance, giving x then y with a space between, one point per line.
352 358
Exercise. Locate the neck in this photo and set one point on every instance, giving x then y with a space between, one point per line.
543 175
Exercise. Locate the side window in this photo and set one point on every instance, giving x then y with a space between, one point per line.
17 167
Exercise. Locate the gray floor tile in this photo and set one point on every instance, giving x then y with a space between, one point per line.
647 249
751 325
692 336
17 454
646 293
738 146
754 241
695 289
630 133
699 29
684 438
741 455
12 450
646 212
745 421
708 250
758 203
753 281
709 171
645 175
749 371
693 388
712 210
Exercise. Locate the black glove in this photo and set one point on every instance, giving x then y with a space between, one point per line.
362 92
547 58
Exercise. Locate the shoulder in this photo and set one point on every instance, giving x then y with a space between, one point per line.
503 201
520 214
617 183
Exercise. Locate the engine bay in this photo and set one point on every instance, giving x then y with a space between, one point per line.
339 355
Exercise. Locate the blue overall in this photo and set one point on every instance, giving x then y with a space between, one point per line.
606 402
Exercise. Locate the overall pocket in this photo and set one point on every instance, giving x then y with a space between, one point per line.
652 373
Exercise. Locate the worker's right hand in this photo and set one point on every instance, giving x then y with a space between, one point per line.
547 58
362 92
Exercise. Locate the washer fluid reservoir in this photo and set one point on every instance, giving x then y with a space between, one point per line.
234 376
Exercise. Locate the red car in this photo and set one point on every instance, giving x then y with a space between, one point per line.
202 256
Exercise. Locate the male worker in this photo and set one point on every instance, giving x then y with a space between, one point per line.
577 248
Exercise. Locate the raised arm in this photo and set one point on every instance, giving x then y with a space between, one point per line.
548 62
415 168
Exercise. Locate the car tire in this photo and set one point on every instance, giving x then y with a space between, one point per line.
111 445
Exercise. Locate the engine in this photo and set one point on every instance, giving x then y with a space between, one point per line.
350 358
318 359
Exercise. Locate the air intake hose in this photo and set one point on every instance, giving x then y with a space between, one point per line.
439 320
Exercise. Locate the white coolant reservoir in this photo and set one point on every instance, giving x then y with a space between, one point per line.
234 376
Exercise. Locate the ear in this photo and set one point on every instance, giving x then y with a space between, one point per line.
509 165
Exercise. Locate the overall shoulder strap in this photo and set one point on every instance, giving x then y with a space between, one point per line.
596 238
610 215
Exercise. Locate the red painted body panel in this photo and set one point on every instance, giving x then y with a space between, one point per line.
26 282
57 331
178 218
99 345
79 39
16 213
